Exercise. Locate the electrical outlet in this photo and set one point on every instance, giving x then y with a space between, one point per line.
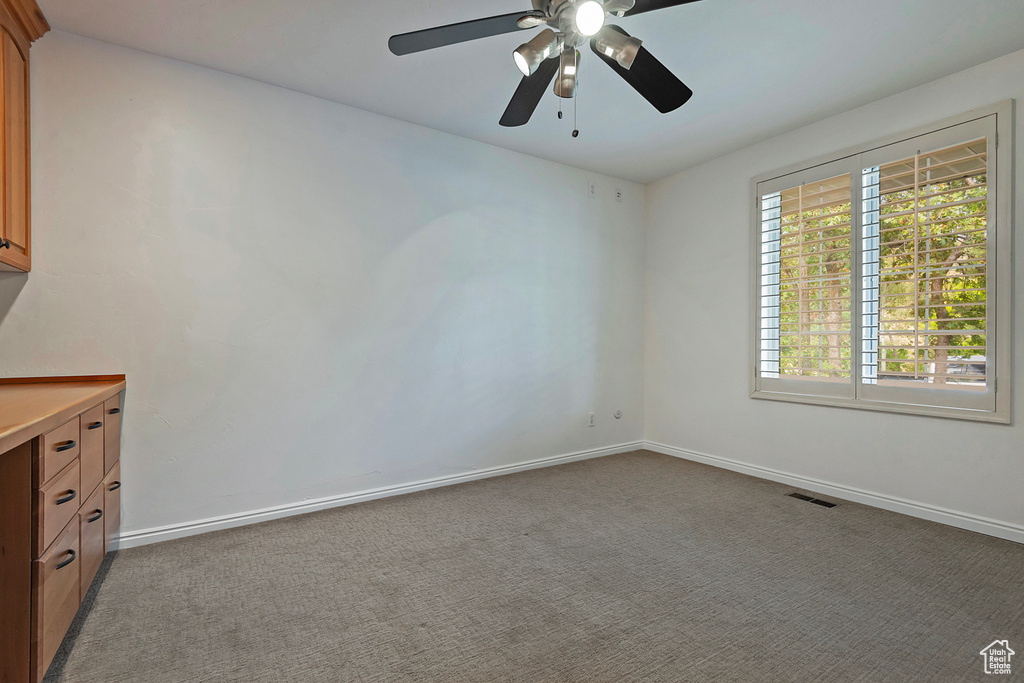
618 195
591 189
591 423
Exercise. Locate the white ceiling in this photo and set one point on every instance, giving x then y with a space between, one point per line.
757 68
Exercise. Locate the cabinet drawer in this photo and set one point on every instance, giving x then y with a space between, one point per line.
56 578
111 505
57 449
92 538
111 432
56 504
92 448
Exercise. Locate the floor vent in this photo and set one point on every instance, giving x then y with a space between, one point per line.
822 503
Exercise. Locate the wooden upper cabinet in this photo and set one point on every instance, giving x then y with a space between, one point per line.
21 22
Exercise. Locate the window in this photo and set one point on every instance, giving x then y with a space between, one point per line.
882 274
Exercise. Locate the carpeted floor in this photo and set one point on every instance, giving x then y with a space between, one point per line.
635 567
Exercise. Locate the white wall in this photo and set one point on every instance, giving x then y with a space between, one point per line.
311 300
697 333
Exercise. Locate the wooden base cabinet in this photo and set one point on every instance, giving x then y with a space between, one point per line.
60 499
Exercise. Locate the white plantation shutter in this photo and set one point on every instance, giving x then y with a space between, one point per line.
877 277
806 297
927 286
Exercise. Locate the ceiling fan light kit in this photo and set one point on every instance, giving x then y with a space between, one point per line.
530 54
552 52
622 48
565 83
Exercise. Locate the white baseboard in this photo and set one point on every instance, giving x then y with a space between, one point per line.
132 539
991 527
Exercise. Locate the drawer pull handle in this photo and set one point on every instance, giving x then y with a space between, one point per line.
5 244
66 447
115 411
115 486
95 425
99 513
67 497
73 554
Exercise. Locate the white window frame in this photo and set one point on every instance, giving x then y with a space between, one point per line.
993 405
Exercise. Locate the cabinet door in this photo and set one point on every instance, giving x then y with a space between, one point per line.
111 432
92 538
111 506
16 211
92 448
56 586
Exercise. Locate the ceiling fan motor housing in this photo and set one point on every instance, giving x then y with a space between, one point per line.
561 15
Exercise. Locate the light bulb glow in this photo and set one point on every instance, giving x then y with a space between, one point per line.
589 17
521 63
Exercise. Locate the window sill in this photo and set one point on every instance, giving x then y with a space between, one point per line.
997 417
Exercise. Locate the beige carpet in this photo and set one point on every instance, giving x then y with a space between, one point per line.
636 567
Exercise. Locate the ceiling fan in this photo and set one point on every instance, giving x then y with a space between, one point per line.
553 51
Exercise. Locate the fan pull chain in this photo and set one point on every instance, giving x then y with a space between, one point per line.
575 130
576 95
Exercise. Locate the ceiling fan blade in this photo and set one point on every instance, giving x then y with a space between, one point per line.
439 36
641 6
649 77
520 108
